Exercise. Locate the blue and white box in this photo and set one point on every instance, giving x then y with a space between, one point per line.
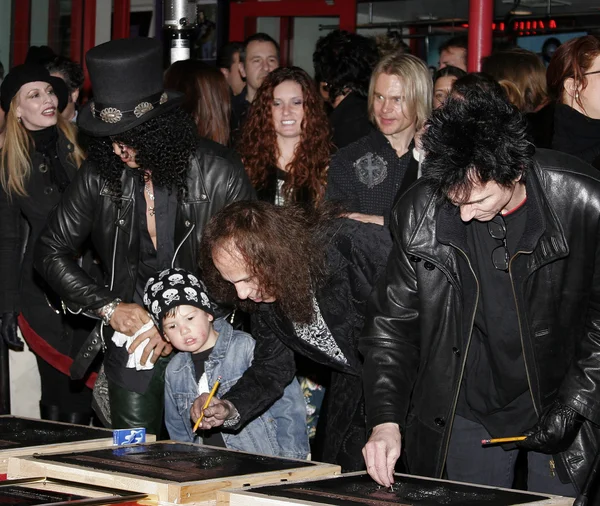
129 436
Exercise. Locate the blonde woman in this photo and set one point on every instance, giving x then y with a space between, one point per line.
39 158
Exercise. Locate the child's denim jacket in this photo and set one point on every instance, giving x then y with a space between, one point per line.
280 430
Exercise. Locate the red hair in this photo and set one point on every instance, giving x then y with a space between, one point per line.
571 60
258 142
206 97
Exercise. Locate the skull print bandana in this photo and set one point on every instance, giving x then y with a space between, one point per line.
175 287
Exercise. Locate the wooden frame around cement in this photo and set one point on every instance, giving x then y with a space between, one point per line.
248 497
191 493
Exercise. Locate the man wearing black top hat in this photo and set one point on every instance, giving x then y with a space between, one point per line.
142 198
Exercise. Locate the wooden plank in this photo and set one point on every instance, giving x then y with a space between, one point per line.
349 492
181 473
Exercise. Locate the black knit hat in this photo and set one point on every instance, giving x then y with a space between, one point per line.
42 55
175 287
127 79
31 73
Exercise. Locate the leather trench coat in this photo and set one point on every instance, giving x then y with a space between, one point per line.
418 330
216 178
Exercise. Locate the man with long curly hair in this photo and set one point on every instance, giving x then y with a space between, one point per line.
304 275
487 322
142 198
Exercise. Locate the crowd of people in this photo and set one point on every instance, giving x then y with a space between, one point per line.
381 266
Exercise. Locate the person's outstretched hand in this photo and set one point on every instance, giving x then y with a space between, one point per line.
382 451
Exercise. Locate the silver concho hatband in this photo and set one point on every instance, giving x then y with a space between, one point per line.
114 115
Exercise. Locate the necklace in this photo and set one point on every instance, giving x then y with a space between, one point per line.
151 195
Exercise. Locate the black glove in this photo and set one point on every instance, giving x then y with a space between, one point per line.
8 331
555 430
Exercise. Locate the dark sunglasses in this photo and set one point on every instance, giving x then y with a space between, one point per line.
500 255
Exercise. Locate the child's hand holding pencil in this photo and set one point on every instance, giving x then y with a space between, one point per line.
205 404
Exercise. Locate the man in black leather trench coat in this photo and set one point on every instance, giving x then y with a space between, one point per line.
487 321
142 199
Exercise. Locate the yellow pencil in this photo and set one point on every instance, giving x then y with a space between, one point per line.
502 440
210 396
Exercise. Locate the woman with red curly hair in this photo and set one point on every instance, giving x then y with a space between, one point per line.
286 143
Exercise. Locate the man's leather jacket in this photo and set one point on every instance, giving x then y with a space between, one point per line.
418 330
87 210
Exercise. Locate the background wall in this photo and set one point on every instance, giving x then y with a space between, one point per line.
5 31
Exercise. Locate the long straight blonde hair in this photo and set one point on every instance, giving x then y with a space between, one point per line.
417 84
15 159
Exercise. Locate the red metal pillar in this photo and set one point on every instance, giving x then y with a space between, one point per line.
121 19
413 43
481 16
89 25
89 40
76 30
53 22
249 27
348 15
286 35
21 31
236 24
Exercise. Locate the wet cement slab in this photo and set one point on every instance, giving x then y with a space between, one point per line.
19 433
179 463
361 490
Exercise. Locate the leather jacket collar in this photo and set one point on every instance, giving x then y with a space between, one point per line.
441 230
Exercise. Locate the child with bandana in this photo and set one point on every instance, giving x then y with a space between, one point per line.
208 348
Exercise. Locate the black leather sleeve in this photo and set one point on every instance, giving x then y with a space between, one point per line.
10 253
390 338
67 229
581 386
272 369
238 184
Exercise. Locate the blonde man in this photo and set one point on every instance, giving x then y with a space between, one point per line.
369 174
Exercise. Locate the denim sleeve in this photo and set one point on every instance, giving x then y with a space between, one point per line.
289 413
272 369
178 424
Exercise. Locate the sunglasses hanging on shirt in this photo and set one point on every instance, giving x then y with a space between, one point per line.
500 255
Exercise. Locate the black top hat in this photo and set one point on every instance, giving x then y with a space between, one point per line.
127 79
31 73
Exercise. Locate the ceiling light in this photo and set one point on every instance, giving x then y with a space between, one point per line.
521 12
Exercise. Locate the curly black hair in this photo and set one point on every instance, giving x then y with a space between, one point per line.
345 61
477 136
71 71
163 146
